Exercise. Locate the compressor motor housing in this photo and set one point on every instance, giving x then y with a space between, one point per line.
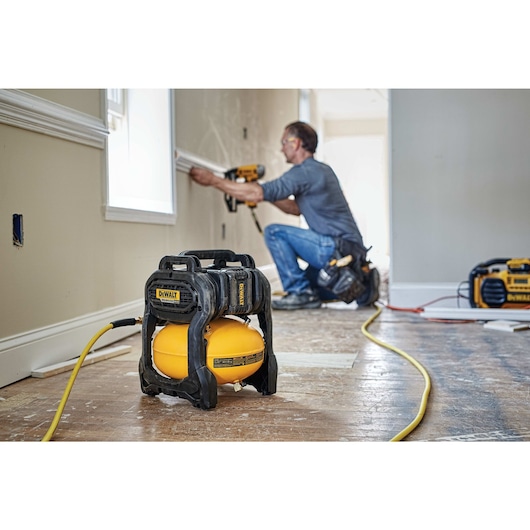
183 291
500 283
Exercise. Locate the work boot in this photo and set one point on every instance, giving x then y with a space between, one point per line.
305 300
371 294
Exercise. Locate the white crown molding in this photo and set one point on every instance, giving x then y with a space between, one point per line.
184 161
26 111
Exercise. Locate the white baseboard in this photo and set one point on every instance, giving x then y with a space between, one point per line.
23 353
412 295
271 273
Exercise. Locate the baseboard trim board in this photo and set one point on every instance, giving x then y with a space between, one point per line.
412 295
23 353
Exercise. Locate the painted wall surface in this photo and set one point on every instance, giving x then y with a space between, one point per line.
231 128
89 101
73 261
460 181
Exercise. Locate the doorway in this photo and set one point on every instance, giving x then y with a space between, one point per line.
352 125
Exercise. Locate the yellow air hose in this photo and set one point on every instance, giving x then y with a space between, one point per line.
405 432
126 322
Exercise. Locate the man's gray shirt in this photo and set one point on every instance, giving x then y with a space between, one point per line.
320 199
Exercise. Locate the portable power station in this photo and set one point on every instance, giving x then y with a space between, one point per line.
206 338
500 283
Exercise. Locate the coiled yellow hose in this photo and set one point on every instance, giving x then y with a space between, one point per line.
423 405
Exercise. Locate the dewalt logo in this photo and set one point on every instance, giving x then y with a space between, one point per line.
168 295
518 297
241 294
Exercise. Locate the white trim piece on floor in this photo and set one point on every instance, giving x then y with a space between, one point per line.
91 358
315 359
23 353
520 315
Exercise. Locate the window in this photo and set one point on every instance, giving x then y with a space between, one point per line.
140 183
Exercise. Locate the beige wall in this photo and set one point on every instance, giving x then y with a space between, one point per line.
75 263
89 101
211 123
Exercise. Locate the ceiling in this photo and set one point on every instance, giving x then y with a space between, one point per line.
347 104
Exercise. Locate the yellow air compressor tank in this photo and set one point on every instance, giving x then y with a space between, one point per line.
234 350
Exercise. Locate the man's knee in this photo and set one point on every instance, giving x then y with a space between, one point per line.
270 231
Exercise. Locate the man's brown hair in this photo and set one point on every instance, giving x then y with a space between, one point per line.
306 133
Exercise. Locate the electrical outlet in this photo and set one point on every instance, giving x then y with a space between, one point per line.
18 230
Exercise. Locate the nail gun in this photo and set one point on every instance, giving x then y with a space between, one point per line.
248 173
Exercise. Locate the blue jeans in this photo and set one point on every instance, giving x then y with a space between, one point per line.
288 243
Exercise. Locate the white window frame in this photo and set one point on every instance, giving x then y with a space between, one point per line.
119 213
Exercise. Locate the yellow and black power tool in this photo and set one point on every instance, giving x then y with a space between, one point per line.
248 173
205 338
500 283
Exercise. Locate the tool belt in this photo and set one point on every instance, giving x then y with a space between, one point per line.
343 275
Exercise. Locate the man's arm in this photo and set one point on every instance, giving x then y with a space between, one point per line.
242 191
288 206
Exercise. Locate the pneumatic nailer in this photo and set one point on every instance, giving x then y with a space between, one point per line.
248 173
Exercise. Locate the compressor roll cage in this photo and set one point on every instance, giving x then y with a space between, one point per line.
201 294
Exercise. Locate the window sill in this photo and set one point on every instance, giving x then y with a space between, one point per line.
127 215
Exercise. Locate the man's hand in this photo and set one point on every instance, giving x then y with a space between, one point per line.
202 176
242 191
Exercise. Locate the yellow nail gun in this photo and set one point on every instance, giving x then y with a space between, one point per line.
248 173
500 283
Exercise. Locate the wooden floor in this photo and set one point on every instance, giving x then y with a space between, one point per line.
334 384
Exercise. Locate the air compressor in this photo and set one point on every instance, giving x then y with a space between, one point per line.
196 331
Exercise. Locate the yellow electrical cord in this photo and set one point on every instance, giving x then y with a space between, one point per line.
405 432
57 417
